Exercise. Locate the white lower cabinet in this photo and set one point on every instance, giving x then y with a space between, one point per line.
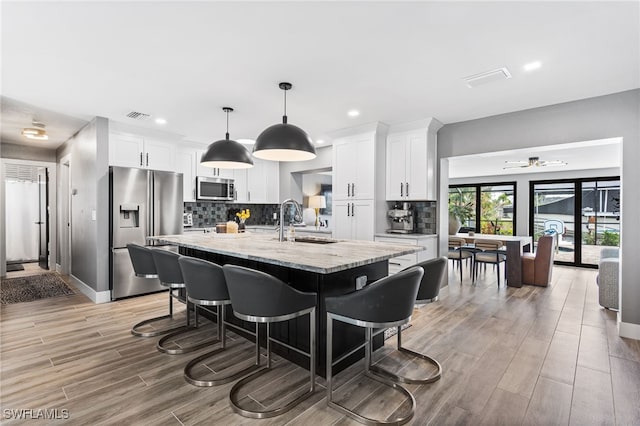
353 220
397 264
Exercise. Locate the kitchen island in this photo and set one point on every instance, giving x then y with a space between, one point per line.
323 266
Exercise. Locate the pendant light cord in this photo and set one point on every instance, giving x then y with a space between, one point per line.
227 134
284 117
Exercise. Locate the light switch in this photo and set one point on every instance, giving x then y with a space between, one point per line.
93 215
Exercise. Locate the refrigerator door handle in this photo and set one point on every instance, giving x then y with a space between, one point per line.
150 225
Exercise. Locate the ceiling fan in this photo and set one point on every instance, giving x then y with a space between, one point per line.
533 162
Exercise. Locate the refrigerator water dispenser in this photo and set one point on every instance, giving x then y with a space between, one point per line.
129 216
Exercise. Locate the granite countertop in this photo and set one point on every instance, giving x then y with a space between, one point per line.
409 236
318 258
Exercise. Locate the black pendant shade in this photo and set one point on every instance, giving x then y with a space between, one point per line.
284 142
227 153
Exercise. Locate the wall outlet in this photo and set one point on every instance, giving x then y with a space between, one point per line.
361 282
275 216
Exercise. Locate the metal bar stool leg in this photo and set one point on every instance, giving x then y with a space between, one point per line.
161 345
135 330
367 371
222 338
403 379
263 414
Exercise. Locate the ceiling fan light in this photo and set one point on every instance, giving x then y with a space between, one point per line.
35 133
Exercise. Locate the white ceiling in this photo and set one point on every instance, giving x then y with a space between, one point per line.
587 155
394 62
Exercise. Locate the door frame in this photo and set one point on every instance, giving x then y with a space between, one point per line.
64 228
53 217
577 213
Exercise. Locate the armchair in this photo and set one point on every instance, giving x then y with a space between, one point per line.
607 278
537 268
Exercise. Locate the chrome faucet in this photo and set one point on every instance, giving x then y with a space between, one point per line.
297 217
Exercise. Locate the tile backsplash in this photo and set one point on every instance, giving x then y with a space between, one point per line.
425 216
207 214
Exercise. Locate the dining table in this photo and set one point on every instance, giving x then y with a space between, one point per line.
516 246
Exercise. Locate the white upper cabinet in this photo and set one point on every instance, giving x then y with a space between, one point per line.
127 150
186 164
411 163
259 184
354 167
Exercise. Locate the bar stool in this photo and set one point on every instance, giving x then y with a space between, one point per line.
262 298
170 274
206 286
434 272
145 267
385 303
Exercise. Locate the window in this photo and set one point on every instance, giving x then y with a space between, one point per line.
493 203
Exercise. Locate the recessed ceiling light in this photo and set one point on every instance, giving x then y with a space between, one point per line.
353 113
532 66
161 121
319 141
246 141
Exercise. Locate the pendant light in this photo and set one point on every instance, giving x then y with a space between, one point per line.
284 142
227 153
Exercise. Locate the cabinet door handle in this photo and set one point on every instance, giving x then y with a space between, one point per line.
395 263
141 160
353 209
348 190
147 159
406 184
353 189
348 210
401 189
235 195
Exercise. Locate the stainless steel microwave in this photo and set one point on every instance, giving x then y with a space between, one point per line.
214 189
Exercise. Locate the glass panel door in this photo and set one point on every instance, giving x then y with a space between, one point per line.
554 209
600 218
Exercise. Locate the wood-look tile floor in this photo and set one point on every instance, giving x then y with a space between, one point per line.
532 355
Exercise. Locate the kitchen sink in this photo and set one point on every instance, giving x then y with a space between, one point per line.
315 240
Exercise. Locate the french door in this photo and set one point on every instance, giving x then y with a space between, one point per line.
584 214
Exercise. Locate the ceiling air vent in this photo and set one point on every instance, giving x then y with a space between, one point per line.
140 116
487 77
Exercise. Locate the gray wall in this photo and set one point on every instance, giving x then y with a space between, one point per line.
89 178
26 152
522 188
615 115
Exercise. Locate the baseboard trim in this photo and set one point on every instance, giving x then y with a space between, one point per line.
95 296
629 330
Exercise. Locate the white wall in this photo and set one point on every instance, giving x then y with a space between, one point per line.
615 115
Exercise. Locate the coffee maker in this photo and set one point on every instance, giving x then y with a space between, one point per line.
401 218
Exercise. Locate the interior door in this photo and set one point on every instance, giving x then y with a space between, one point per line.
43 217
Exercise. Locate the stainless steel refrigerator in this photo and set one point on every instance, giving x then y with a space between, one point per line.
143 203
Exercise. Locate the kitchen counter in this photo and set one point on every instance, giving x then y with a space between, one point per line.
324 269
317 258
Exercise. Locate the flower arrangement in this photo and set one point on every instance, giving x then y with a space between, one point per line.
243 215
